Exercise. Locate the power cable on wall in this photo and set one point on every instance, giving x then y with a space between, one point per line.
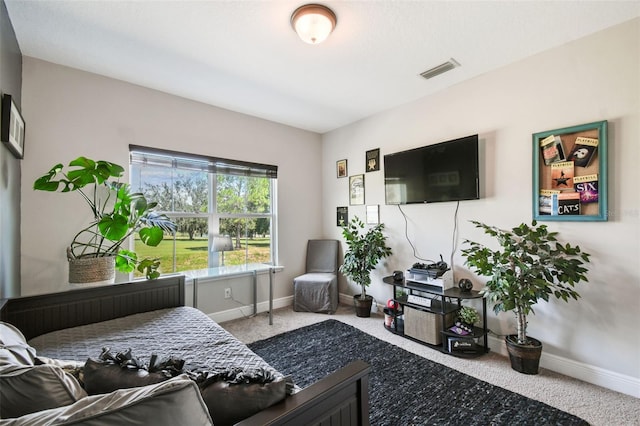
242 305
406 235
454 236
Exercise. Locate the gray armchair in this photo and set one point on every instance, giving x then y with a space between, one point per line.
317 289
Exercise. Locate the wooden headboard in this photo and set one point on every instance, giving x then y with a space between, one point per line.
36 315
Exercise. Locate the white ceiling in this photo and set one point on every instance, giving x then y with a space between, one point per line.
244 56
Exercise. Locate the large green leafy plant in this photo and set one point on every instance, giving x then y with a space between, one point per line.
365 249
117 212
529 265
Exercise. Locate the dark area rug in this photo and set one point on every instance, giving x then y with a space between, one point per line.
404 388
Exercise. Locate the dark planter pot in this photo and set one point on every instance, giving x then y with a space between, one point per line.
363 306
524 358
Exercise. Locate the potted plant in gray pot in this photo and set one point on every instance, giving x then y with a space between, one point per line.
365 249
96 250
529 265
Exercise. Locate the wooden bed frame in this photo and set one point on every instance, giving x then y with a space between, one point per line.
340 399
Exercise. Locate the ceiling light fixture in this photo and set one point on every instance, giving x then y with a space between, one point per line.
313 22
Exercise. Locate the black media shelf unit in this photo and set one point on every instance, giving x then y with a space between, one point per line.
444 306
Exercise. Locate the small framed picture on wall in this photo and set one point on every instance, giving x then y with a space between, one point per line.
356 190
372 159
12 127
342 216
341 168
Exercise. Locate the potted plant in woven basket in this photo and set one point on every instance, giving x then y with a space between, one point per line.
529 265
96 250
365 249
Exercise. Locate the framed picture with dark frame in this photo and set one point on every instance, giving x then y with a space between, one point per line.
341 168
12 127
372 159
570 173
342 218
356 190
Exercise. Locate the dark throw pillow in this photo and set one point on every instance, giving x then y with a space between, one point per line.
122 371
234 395
105 377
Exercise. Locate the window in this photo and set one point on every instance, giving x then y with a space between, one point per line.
208 198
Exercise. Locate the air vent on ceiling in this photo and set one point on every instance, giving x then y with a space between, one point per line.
439 69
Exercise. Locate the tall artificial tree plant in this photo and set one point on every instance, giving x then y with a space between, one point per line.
365 249
530 264
117 213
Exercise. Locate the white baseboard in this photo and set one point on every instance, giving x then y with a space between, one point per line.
247 310
347 299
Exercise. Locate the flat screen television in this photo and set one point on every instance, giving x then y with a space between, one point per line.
446 171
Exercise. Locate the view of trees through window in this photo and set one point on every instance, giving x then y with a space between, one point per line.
202 205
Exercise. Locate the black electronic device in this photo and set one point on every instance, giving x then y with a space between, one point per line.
433 270
442 265
398 276
434 267
447 171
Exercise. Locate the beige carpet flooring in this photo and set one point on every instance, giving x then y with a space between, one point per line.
598 406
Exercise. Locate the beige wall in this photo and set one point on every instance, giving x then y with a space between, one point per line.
72 113
592 79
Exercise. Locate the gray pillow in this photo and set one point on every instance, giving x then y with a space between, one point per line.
174 402
27 389
14 349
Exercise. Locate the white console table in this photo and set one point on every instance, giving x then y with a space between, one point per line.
230 271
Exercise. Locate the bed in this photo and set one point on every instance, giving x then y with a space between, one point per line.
150 318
